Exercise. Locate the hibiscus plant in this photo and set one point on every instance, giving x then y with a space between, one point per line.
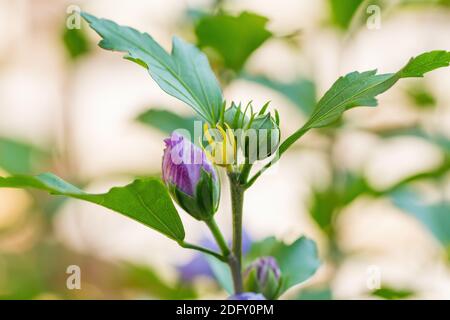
236 138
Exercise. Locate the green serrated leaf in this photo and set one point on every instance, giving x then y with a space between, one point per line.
235 38
146 200
297 261
184 74
424 63
361 89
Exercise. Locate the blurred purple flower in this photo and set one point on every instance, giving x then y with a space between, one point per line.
247 296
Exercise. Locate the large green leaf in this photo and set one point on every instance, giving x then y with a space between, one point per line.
301 92
234 38
360 89
146 200
184 74
297 261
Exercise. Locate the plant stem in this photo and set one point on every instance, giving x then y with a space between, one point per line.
237 202
218 236
187 245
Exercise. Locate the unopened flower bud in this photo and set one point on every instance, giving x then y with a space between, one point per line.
263 138
263 276
191 178
235 118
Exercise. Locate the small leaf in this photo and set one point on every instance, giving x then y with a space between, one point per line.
167 121
361 89
184 74
297 261
424 63
146 201
235 38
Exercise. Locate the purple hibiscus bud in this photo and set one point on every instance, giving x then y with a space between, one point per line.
263 276
191 178
247 296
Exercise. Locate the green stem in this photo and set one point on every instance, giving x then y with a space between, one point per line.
218 236
246 168
187 245
237 202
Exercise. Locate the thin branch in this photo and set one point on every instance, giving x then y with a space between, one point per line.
187 245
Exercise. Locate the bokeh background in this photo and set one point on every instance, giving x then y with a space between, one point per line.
373 191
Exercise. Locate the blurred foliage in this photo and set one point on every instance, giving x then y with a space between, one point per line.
300 92
234 38
147 281
392 294
167 121
323 293
75 42
40 273
342 11
434 216
421 97
21 157
325 204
